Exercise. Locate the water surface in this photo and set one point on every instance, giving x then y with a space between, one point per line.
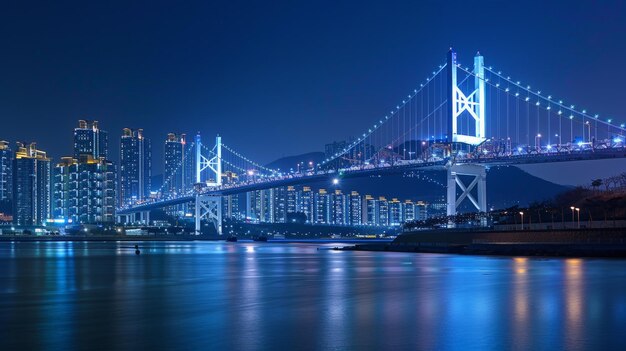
271 296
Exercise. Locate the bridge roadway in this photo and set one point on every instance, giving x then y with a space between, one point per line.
400 167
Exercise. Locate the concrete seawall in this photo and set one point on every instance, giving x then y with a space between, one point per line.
568 243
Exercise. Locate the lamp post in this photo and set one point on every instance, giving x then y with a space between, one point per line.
522 224
572 208
578 215
538 142
558 136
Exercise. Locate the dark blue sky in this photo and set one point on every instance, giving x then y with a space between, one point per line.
278 78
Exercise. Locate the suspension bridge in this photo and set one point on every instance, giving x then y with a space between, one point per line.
462 119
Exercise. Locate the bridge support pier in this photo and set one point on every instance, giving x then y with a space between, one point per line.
209 207
479 181
145 217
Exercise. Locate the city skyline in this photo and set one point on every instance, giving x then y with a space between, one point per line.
346 71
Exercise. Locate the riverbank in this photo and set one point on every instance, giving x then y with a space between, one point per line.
558 243
127 238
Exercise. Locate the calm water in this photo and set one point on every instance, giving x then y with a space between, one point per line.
266 296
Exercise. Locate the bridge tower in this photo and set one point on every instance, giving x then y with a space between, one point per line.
468 106
213 163
473 103
209 207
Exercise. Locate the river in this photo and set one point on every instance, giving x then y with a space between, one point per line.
301 296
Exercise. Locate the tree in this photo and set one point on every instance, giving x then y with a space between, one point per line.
596 183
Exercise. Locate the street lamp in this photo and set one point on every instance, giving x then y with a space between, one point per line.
578 215
522 214
538 142
572 208
558 136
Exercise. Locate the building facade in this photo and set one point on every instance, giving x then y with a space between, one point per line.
89 139
84 190
176 164
6 177
135 167
31 186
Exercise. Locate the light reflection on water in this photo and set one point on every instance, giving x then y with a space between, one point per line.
271 296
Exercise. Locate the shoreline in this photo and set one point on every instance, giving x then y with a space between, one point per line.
64 238
544 243
504 249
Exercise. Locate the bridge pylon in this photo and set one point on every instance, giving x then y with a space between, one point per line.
213 163
209 207
473 103
478 174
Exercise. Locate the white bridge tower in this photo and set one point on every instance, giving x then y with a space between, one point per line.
209 207
466 105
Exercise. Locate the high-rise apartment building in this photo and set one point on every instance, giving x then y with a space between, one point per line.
84 190
370 210
383 211
355 216
322 207
307 204
339 210
279 205
89 139
31 185
6 177
293 200
396 215
409 211
177 177
135 167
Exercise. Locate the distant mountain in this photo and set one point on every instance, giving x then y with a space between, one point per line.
286 163
506 185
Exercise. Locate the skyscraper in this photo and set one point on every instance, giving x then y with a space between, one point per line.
307 202
90 140
370 213
6 177
280 205
176 172
135 166
293 200
84 190
322 207
383 211
396 214
31 185
339 209
356 209
409 211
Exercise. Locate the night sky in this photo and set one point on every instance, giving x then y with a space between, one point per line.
278 78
